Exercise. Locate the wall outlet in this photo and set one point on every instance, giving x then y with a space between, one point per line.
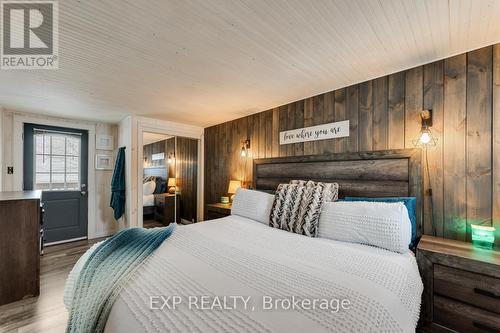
10 170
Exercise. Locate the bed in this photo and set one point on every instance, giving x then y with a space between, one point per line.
236 256
159 176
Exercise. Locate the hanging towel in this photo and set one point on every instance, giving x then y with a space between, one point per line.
118 185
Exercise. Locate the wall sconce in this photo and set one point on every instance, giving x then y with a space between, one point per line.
171 159
425 138
245 148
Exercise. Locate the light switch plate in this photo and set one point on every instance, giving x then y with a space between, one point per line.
10 170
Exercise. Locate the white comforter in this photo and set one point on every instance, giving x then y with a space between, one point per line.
148 200
234 256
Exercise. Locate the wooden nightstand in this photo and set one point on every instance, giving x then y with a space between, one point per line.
167 208
461 286
217 210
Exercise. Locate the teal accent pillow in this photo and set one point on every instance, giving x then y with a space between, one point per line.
409 202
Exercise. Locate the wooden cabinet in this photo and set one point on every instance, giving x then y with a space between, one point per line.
217 210
461 286
19 245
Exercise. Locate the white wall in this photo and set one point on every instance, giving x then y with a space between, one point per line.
101 221
125 137
105 223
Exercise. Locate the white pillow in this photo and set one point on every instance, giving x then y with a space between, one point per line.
381 224
252 204
148 188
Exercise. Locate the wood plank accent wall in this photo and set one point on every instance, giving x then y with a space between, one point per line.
464 93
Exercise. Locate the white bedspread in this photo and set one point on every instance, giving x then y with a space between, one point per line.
237 256
148 200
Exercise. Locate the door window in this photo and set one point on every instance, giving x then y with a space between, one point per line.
57 160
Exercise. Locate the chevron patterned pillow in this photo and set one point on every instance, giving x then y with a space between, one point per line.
297 206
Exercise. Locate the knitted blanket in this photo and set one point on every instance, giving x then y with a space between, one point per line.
103 272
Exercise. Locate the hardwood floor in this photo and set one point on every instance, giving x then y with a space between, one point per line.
45 313
152 224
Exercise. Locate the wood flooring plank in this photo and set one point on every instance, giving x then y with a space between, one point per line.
47 312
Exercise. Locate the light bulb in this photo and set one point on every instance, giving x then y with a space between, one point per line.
425 138
243 152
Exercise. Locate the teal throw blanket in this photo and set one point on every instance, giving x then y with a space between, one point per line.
106 272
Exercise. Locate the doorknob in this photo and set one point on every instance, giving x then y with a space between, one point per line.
83 188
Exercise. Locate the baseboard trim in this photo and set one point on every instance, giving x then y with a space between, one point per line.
65 241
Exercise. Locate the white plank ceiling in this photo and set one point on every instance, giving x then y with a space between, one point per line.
207 61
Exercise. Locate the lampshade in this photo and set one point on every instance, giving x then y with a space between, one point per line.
171 182
233 186
425 139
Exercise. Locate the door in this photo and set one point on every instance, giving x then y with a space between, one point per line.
56 162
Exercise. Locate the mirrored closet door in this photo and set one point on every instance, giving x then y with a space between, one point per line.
170 180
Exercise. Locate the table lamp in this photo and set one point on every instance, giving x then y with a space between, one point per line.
233 186
171 185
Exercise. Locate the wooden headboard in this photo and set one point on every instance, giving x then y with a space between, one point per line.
384 173
159 172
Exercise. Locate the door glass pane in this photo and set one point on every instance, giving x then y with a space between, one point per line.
58 164
42 181
73 146
58 144
57 161
43 163
72 164
57 181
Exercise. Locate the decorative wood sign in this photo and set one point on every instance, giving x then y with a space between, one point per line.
158 157
339 129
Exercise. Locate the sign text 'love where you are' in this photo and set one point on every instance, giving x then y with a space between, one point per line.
339 129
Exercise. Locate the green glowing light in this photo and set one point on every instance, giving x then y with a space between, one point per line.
483 236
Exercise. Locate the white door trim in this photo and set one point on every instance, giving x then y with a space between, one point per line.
20 120
174 129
